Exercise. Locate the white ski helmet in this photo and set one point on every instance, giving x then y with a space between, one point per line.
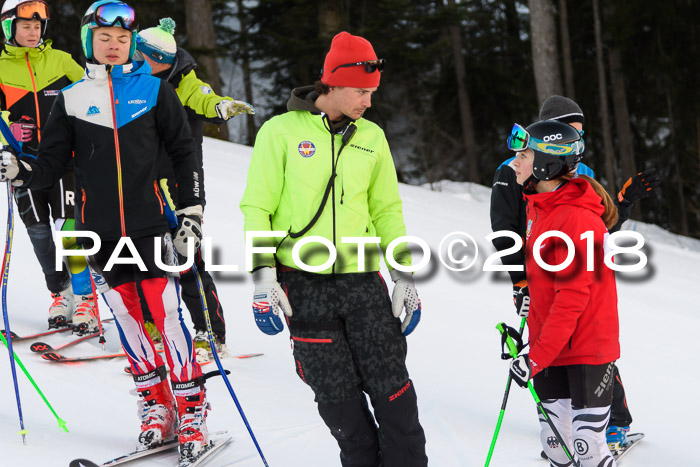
22 9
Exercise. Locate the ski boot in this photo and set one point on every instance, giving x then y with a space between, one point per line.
192 408
202 349
60 309
85 316
156 409
616 437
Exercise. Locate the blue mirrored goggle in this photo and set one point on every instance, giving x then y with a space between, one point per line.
110 14
520 139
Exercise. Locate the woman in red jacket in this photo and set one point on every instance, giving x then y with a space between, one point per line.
573 319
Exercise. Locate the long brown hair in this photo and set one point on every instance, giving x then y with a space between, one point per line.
610 215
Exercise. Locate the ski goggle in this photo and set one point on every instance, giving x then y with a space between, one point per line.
370 65
520 139
110 14
30 10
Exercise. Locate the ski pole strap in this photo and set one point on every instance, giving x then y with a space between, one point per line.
510 338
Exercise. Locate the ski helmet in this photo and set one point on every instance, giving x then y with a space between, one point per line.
108 13
22 9
558 149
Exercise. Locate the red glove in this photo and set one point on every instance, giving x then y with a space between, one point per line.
23 129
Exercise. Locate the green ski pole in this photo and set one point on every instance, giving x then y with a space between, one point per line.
513 350
61 422
503 405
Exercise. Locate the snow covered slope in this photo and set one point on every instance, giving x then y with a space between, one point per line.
454 355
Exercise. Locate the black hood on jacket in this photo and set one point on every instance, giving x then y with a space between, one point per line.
183 64
304 98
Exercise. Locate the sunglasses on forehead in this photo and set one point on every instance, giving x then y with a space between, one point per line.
31 10
110 14
370 65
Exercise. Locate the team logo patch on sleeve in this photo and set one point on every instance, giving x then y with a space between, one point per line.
307 149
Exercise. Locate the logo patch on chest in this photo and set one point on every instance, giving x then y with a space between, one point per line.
306 149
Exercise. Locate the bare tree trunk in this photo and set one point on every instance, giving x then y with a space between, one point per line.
605 114
465 112
202 45
622 121
566 50
245 65
677 175
330 20
545 58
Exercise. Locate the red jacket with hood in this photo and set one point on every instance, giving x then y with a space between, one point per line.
573 312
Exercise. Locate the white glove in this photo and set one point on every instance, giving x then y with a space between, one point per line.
268 300
229 108
11 168
189 220
405 296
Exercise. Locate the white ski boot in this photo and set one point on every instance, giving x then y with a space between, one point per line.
60 309
85 315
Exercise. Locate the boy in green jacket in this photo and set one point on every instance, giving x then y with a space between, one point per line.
321 170
174 65
31 77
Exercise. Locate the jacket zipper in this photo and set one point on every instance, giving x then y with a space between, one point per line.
36 99
82 208
117 153
161 202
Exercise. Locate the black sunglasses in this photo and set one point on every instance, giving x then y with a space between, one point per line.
370 65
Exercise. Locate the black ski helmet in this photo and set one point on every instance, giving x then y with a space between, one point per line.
558 149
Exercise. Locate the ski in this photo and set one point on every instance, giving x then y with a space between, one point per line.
42 347
60 358
618 453
131 456
127 369
632 440
217 440
17 338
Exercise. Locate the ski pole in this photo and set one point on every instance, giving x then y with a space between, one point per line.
5 275
210 335
61 422
513 350
503 404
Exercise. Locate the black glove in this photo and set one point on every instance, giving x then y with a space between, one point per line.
638 187
520 370
189 226
521 298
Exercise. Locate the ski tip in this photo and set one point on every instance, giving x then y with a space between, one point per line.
52 356
82 463
248 355
40 347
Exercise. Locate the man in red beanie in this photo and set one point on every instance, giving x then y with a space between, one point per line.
322 171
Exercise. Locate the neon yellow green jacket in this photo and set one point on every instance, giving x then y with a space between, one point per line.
288 174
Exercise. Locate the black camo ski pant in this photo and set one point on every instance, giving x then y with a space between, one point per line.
347 343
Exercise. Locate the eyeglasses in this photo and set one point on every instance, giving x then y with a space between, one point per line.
370 65
520 139
31 10
110 14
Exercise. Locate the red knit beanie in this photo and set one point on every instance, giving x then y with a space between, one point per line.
345 49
